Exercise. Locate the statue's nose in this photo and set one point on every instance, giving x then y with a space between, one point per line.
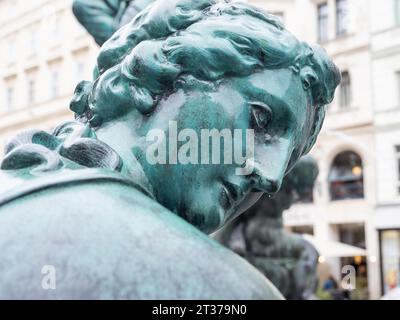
262 181
270 168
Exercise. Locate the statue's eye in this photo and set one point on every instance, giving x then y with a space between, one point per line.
261 115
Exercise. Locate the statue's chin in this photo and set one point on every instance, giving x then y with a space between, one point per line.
245 205
219 217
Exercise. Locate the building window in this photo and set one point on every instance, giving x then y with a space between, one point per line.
323 22
31 91
345 90
11 51
54 84
390 262
352 234
397 11
397 149
346 179
55 28
341 17
398 87
32 43
9 98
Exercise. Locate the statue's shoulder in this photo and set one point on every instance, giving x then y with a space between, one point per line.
64 203
36 159
108 239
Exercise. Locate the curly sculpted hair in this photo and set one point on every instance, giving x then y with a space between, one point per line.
171 42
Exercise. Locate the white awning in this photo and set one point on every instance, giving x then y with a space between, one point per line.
331 249
392 295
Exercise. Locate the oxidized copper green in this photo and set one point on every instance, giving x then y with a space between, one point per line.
258 235
84 200
102 18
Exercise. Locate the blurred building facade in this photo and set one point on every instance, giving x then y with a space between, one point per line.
357 197
44 53
385 51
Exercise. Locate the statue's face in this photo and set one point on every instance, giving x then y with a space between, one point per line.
272 102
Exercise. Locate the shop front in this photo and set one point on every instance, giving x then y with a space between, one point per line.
389 244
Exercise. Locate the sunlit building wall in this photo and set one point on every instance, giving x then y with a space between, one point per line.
43 55
385 48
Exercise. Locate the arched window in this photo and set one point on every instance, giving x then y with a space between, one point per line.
346 179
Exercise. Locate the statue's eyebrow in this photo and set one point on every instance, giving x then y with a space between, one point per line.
282 111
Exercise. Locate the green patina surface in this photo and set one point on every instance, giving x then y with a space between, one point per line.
102 18
85 199
258 235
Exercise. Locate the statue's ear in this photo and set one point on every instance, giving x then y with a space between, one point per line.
79 103
308 77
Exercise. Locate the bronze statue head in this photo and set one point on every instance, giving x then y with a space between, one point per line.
209 65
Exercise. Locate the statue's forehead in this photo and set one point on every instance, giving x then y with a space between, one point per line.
280 87
277 81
